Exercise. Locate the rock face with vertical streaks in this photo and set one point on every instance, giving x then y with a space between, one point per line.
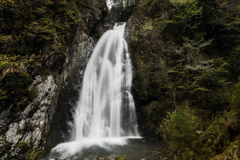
38 124
31 124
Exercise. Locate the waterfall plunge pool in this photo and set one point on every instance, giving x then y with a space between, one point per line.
134 149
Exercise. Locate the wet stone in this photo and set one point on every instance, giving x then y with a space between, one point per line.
110 158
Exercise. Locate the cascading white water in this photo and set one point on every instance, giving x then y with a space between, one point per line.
106 112
111 3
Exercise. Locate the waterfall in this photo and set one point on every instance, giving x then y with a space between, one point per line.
105 114
111 3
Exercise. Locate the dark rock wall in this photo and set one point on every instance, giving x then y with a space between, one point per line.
70 89
148 53
46 121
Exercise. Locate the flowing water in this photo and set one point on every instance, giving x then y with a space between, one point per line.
111 3
105 96
105 115
136 149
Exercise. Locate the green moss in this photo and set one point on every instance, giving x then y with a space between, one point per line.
49 71
14 80
29 152
22 144
33 154
3 98
15 86
35 23
19 131
17 45
33 93
21 104
122 157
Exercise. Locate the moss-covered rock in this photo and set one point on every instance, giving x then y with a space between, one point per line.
151 80
14 89
48 42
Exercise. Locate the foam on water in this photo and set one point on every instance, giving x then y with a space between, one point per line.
71 148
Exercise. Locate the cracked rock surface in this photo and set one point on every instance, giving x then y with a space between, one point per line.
30 126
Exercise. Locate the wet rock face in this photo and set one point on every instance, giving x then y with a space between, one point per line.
47 119
30 124
71 82
136 86
102 26
148 98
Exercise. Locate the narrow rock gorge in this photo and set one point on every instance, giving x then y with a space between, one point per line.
185 74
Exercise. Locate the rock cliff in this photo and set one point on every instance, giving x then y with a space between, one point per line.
43 121
143 33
